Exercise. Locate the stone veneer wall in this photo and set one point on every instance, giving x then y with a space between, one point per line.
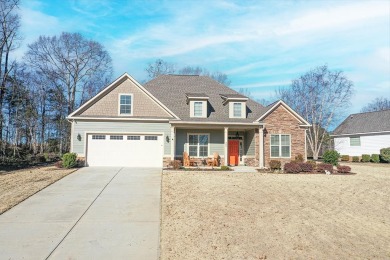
280 121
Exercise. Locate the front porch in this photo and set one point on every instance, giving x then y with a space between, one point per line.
235 145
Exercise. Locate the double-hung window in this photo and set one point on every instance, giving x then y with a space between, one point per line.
237 109
198 109
125 104
280 146
198 145
354 141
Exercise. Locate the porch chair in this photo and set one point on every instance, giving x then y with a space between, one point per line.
213 161
187 161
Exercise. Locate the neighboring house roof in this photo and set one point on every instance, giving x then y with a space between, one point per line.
171 90
370 122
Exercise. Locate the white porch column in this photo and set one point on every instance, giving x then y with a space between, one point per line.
261 147
225 140
173 142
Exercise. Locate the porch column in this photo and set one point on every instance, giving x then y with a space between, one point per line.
173 142
261 147
225 140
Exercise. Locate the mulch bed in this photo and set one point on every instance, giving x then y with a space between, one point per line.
305 173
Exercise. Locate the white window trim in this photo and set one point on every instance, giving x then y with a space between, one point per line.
360 141
280 146
131 104
188 144
231 109
204 108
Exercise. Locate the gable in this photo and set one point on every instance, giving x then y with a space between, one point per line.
107 104
282 115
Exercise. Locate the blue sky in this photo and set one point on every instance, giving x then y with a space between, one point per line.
260 45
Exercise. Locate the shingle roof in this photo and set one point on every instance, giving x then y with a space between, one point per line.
378 121
232 96
196 95
171 91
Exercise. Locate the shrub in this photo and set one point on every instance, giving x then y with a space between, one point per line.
59 164
385 155
313 164
225 168
343 169
40 158
69 160
345 158
175 164
275 164
355 158
292 167
299 158
366 158
331 156
375 158
322 167
306 167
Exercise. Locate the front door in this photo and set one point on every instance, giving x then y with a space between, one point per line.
233 152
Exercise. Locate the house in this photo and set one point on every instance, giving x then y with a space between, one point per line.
363 133
129 124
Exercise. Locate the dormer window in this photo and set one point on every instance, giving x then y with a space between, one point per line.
236 104
198 104
198 109
126 104
237 109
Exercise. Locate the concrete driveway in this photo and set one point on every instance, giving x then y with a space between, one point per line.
94 213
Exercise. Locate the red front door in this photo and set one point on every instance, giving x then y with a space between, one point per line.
233 152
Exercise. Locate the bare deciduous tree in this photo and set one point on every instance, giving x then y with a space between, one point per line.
320 96
73 68
9 39
161 67
377 104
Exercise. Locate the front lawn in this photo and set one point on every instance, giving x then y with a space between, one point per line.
227 215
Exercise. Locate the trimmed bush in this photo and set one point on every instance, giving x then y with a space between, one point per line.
225 168
313 164
306 167
299 158
331 156
59 164
292 167
322 167
69 160
275 164
385 155
375 158
355 158
343 169
175 164
366 158
345 158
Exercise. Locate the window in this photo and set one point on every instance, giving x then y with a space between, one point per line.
198 145
98 137
125 102
116 137
133 137
280 146
151 137
354 141
237 109
198 109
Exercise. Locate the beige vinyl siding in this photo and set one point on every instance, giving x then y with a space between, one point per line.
215 142
81 127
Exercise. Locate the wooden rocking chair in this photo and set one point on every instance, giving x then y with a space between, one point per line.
187 161
213 161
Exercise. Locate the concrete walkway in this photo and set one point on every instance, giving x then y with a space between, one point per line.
94 213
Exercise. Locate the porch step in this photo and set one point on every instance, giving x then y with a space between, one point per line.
244 169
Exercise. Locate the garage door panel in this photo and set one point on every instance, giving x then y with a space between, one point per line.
125 150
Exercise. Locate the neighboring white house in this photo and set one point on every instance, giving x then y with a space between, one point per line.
363 133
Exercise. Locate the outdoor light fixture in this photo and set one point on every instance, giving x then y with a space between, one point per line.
167 139
79 137
237 135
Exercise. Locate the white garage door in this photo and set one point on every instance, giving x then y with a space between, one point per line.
125 150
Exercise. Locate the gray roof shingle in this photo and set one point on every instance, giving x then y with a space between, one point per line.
171 91
369 122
